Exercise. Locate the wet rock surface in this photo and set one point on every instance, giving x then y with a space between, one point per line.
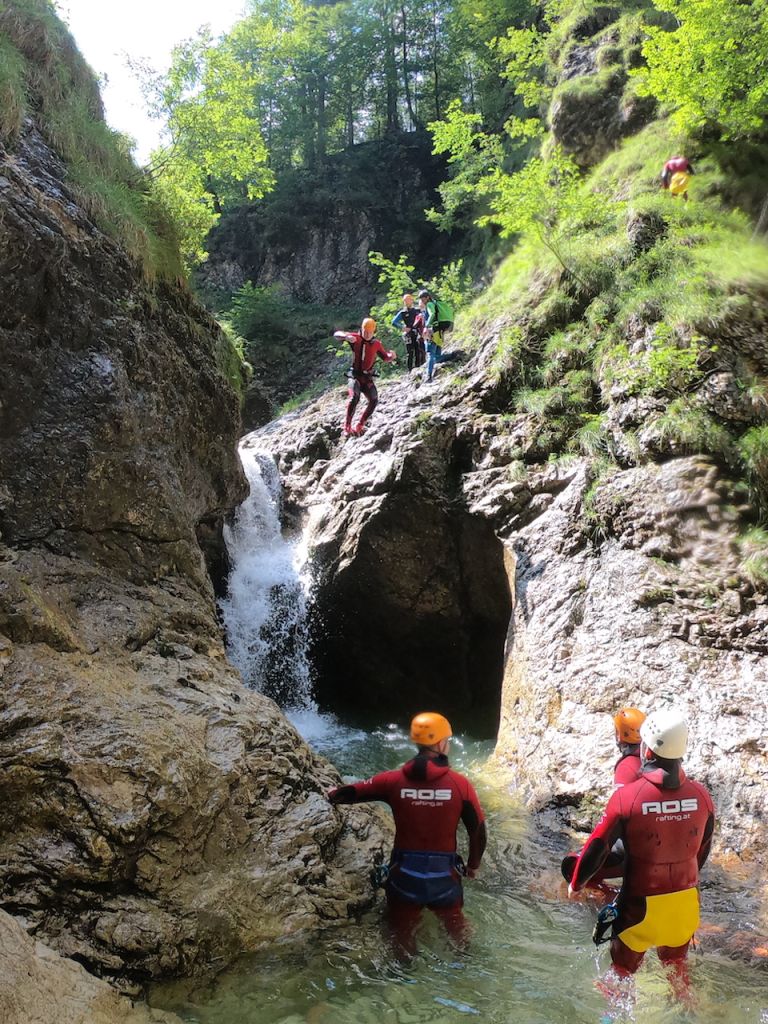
155 817
37 986
403 566
626 589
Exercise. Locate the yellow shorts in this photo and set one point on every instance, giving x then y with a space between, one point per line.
679 183
670 920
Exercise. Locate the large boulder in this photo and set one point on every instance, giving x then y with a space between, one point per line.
155 816
631 594
410 588
37 986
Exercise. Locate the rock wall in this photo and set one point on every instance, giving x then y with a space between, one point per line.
312 235
594 104
411 589
625 590
39 987
155 817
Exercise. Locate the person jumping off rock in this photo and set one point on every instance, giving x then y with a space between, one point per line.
676 176
438 318
411 320
365 348
666 822
428 800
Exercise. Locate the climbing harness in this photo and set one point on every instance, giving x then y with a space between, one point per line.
426 878
380 875
605 919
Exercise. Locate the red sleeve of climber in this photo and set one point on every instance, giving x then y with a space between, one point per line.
599 844
344 336
376 788
474 821
386 354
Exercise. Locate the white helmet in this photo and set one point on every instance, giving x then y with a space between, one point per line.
665 733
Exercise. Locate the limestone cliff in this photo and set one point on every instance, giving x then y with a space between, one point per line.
39 987
626 588
312 235
155 816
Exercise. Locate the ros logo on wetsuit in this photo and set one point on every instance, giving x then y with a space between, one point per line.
425 794
670 806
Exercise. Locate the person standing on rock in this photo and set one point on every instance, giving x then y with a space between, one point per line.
676 176
665 821
438 318
365 348
411 320
428 800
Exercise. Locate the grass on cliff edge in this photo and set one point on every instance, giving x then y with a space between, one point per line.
653 321
43 76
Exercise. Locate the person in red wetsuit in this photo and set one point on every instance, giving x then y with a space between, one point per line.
676 174
666 822
428 800
365 348
627 723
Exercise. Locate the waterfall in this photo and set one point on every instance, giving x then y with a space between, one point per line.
264 611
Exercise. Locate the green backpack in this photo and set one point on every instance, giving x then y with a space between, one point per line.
444 314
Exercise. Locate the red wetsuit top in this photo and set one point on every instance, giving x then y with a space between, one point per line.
364 352
665 821
674 166
677 164
428 799
627 768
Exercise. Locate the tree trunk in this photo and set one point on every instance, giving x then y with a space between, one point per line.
309 135
390 70
350 120
406 83
209 187
322 87
435 61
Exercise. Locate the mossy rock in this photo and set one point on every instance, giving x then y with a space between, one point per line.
595 21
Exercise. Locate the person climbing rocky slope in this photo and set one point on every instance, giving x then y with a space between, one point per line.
156 816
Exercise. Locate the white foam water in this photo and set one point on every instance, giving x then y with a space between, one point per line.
265 610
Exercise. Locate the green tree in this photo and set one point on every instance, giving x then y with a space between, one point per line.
215 152
544 199
713 67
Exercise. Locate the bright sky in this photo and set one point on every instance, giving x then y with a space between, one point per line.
109 30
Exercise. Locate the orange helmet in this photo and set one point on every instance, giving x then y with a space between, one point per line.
628 722
369 324
429 728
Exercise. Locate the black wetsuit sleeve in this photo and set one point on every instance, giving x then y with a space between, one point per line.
376 788
706 841
477 832
344 795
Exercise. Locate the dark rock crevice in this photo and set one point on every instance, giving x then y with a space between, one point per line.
417 618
